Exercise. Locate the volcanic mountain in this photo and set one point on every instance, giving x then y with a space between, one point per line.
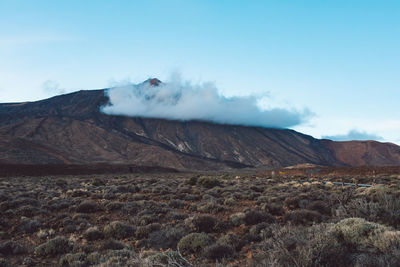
71 129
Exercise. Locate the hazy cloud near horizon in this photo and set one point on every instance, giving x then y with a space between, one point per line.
353 135
179 100
52 87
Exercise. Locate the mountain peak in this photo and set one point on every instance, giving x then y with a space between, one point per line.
153 82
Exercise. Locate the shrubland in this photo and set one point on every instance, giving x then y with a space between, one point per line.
189 219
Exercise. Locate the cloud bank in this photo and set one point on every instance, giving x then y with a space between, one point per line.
353 135
178 100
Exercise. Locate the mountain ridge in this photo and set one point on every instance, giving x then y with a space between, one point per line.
71 129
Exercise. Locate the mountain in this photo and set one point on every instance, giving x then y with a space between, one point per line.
71 129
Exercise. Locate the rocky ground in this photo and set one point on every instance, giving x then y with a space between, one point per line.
192 219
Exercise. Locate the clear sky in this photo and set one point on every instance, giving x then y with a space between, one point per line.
340 58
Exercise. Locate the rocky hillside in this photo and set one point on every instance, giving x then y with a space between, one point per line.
71 129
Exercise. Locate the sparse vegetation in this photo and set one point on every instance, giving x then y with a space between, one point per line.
119 229
11 248
207 182
53 247
218 251
191 220
93 233
87 207
195 242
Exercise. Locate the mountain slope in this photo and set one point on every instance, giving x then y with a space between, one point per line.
372 153
70 129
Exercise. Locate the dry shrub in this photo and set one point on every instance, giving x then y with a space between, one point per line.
363 234
350 242
303 216
176 204
170 258
292 203
231 240
273 208
192 180
120 230
383 207
207 182
98 182
126 257
11 248
167 238
218 251
93 233
29 226
319 206
114 206
237 218
55 246
112 244
195 242
144 231
88 207
254 217
202 223
210 207
302 246
73 259
147 219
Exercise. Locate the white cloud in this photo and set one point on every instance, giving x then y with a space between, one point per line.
387 129
179 100
353 135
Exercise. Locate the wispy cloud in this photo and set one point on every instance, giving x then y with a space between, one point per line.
51 87
354 135
32 39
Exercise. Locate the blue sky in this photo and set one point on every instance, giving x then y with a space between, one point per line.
339 59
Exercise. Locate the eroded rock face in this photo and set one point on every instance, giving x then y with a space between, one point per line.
71 129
